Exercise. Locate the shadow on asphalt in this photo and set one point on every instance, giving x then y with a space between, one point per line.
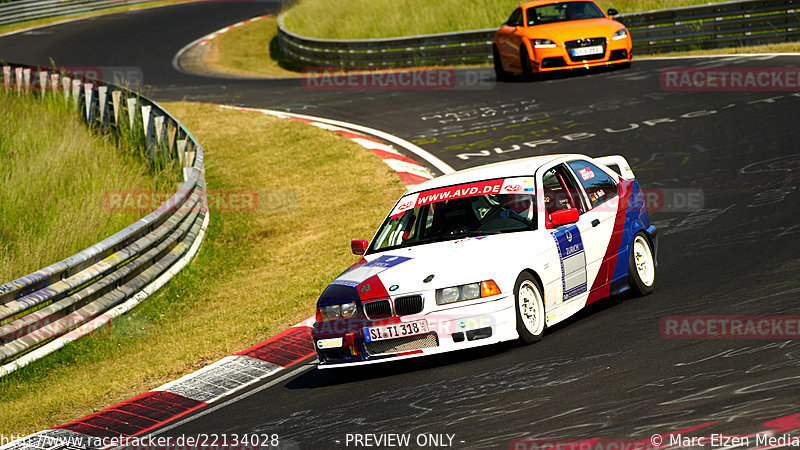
563 74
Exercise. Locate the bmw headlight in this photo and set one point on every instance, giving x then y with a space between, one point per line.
337 312
543 43
448 295
621 34
469 291
466 292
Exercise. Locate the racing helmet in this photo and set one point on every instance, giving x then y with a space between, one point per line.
519 203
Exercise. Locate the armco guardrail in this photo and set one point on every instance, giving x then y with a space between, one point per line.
24 10
730 24
738 23
41 311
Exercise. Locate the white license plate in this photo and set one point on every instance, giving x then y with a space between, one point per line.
395 330
583 51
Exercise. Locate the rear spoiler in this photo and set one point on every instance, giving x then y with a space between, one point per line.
618 164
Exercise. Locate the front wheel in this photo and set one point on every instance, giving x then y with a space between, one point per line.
530 309
525 63
641 265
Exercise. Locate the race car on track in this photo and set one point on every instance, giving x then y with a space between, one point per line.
489 254
547 35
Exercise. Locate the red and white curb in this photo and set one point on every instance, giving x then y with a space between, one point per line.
409 170
145 413
209 37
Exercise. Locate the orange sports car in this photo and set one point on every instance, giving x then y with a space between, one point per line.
545 35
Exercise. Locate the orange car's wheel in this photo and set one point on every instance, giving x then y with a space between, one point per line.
525 62
499 73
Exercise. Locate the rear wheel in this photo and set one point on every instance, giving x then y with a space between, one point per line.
499 73
641 265
530 308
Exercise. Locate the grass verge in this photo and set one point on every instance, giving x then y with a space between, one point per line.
251 49
54 178
366 19
255 274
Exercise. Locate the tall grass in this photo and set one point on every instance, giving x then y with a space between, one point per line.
364 19
54 173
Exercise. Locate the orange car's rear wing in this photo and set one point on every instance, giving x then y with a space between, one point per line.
618 164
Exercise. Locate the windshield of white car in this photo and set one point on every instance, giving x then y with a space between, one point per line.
562 12
473 216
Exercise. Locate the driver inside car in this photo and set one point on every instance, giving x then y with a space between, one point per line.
575 11
519 206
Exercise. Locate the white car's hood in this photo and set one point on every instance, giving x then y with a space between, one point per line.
450 263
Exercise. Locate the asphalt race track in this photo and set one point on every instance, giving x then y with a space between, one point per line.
606 373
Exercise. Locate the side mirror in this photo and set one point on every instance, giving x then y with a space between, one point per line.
359 246
564 217
612 12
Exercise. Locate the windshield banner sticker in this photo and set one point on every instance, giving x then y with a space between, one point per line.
500 186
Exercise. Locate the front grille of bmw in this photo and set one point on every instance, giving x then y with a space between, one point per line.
403 306
590 42
403 344
380 309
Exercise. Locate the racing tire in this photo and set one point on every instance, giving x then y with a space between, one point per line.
529 305
500 74
641 265
525 63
